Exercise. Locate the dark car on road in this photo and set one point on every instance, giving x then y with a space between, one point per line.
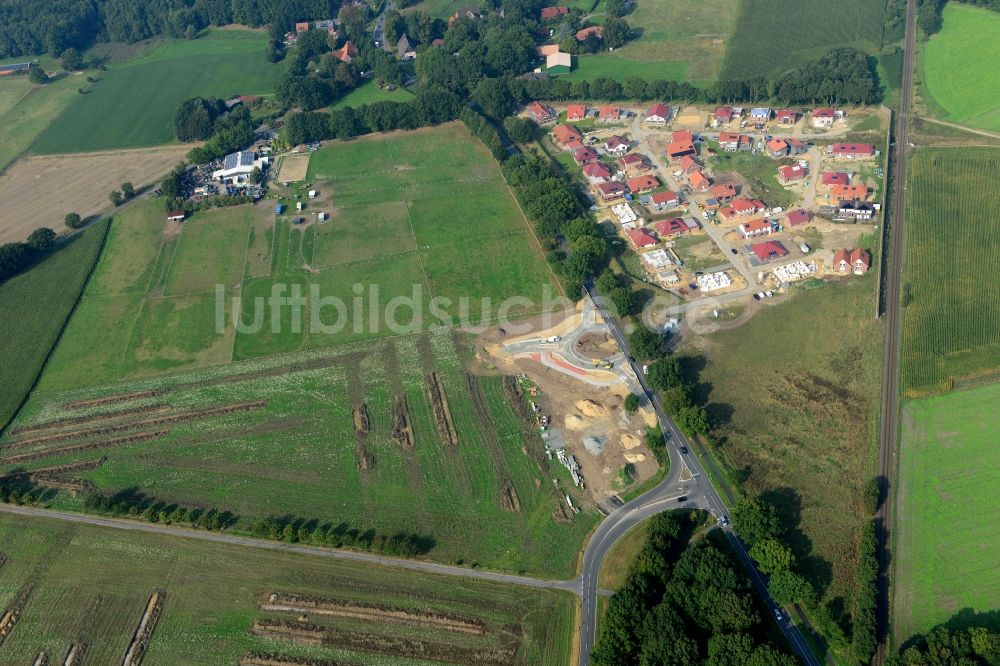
684 450
682 499
733 250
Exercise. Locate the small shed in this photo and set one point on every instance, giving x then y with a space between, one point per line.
298 206
176 215
312 194
279 209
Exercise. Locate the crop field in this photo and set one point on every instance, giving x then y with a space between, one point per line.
959 73
132 105
26 110
29 331
948 521
684 40
796 391
219 604
369 93
951 318
38 190
772 36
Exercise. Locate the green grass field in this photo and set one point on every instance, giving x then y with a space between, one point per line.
960 73
759 171
396 227
948 522
91 585
133 104
771 36
951 319
679 41
29 331
369 93
26 110
796 391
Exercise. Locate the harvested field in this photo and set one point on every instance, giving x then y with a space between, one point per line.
82 420
362 424
142 634
112 399
402 431
84 180
78 448
442 414
297 603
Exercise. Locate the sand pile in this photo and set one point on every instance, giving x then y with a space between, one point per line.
634 457
574 422
591 408
630 441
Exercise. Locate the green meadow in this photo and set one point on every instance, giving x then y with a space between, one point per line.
132 105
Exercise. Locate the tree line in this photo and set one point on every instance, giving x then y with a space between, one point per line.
16 257
685 604
929 13
943 646
300 530
130 503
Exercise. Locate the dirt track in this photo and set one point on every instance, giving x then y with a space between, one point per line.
38 191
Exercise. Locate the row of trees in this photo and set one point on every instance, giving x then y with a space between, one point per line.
15 257
684 604
28 27
301 530
929 13
973 646
130 503
126 193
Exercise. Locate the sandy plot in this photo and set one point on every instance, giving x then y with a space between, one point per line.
38 191
293 168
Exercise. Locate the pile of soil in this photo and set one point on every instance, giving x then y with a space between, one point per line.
402 431
362 423
439 407
509 500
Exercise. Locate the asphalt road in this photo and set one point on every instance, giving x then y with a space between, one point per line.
890 371
700 493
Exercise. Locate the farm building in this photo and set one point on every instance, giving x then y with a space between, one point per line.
823 118
786 117
768 250
723 193
634 163
549 13
852 151
596 30
777 148
559 62
176 215
16 68
856 261
641 238
699 182
610 191
596 172
663 200
541 113
731 142
798 217
658 114
566 133
301 26
616 145
585 155
754 228
347 52
722 116
239 165
791 174
576 112
688 163
642 184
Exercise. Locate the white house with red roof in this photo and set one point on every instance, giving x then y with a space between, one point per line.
541 113
664 200
833 178
634 163
616 145
642 184
786 117
732 142
856 261
742 207
658 115
851 151
722 116
755 228
609 114
798 217
585 155
723 192
597 172
610 190
564 134
823 117
641 238
671 227
576 112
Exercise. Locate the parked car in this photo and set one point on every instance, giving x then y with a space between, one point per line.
733 250
756 297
